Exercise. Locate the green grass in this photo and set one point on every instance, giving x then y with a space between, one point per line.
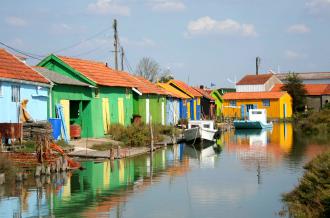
311 198
314 122
138 135
102 147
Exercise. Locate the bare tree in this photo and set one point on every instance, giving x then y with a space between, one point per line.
148 68
166 76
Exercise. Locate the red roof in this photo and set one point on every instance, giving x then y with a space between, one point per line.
205 93
12 68
312 89
98 72
143 85
185 88
254 79
252 95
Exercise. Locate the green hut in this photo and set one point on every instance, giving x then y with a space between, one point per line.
106 100
148 100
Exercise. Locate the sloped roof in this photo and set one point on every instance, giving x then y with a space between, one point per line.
12 68
254 79
58 78
312 89
205 93
307 75
143 85
185 88
98 72
252 95
173 91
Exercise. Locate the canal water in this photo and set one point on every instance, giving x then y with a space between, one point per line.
243 176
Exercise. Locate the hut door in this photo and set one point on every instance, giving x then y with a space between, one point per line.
66 113
188 109
163 113
147 111
121 114
106 115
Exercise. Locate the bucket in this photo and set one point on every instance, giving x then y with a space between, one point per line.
56 127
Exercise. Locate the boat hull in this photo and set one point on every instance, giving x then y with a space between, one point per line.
247 124
199 134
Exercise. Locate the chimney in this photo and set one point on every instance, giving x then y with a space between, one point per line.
201 87
257 65
106 64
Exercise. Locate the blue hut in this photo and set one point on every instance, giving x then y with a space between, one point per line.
20 82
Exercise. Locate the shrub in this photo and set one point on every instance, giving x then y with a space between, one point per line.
311 198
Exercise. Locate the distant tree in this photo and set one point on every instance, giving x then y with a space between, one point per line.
166 76
148 68
295 87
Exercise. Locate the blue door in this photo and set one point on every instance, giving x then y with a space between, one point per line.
242 111
248 107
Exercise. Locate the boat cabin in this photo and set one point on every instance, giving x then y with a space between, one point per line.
205 124
258 115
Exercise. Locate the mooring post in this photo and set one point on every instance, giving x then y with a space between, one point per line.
118 151
38 171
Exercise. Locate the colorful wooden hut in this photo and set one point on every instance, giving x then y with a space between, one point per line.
20 82
175 104
148 100
193 104
108 99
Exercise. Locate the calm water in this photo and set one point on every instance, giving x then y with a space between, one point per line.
245 179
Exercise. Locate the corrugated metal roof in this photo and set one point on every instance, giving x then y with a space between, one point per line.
58 78
12 68
252 95
307 75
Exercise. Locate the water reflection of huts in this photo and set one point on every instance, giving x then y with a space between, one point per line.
95 190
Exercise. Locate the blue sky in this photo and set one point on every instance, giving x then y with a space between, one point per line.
203 40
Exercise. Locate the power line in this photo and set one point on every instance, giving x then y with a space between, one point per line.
22 52
82 41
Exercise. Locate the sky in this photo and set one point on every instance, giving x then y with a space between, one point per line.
199 41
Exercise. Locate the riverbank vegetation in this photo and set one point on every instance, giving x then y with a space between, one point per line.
311 198
139 135
314 122
8 168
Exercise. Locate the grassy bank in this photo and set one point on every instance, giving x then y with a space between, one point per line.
311 198
314 122
139 135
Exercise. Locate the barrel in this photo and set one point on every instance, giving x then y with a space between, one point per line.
75 131
56 127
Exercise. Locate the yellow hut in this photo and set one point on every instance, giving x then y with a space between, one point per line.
238 104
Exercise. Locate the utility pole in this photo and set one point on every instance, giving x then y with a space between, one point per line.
122 53
115 42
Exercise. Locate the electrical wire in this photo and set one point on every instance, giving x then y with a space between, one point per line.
30 55
82 41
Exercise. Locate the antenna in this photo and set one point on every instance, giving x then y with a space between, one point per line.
115 44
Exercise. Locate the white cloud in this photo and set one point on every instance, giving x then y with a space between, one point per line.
207 25
144 42
168 5
104 7
316 6
16 21
299 28
293 55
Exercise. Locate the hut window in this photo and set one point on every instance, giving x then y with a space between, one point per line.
97 92
232 103
266 102
15 93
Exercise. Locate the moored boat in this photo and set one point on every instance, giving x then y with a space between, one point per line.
257 120
200 130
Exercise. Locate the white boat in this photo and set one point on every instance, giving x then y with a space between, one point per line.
200 130
257 120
